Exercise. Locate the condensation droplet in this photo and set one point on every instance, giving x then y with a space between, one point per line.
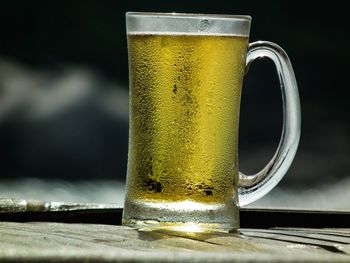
203 26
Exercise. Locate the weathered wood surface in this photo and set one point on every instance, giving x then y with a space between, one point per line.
61 242
92 233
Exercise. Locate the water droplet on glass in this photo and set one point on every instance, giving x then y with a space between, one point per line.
203 26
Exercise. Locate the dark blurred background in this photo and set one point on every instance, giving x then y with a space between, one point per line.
64 89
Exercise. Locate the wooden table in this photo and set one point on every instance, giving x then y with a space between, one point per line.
90 233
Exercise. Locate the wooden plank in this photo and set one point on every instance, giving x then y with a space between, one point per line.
294 236
15 210
60 242
11 205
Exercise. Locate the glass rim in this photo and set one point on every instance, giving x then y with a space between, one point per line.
190 15
187 24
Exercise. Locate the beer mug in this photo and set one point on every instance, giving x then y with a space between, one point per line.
186 73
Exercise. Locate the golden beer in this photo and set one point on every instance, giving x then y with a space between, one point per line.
185 94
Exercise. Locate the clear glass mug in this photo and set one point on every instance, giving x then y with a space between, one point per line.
186 73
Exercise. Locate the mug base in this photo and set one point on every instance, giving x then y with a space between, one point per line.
184 216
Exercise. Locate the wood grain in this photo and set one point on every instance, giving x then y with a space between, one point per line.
38 231
61 242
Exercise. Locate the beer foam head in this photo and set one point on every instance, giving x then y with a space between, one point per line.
187 24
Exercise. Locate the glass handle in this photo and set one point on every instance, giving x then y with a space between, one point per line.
253 187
